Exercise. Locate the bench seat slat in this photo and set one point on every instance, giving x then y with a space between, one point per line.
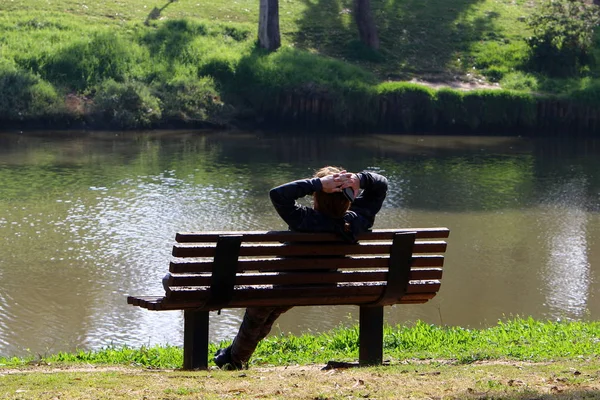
159 303
275 264
305 278
416 298
288 236
290 250
298 292
149 302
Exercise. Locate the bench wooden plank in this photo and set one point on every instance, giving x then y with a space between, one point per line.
296 250
273 278
359 299
278 264
159 303
279 293
288 236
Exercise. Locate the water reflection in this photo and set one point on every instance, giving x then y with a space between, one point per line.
567 271
91 218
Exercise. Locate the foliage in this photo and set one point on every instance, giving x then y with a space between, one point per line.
589 94
127 105
321 76
498 108
495 59
450 109
88 62
26 96
519 81
293 69
563 33
414 104
263 80
189 99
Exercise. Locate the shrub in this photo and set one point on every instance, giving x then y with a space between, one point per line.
89 62
450 108
25 95
499 109
562 38
415 103
262 77
126 105
587 95
289 69
190 99
519 81
495 73
220 67
495 59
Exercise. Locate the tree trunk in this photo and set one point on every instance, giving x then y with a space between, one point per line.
268 25
366 25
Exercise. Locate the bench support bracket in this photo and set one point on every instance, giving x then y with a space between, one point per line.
224 273
195 331
371 316
370 335
195 339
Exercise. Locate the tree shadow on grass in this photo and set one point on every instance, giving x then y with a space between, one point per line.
555 393
156 12
416 36
171 38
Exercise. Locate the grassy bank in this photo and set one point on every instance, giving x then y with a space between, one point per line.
142 64
516 359
518 340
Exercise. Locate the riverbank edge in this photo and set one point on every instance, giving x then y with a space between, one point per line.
518 339
391 107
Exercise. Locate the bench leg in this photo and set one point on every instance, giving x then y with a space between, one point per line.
195 339
371 336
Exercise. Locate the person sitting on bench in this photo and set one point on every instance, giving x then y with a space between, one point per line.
346 214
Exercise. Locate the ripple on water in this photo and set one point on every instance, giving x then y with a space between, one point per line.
127 235
83 226
567 278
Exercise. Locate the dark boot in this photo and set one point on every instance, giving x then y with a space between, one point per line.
224 360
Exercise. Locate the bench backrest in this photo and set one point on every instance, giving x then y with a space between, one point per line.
213 270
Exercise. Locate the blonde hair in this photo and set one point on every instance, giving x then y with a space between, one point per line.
333 205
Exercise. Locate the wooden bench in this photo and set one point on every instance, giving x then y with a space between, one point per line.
215 270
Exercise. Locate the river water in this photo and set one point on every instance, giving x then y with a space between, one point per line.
90 217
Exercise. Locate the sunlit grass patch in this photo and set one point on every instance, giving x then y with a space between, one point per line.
75 48
517 339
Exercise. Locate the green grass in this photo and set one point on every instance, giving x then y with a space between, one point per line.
438 37
129 64
517 339
577 379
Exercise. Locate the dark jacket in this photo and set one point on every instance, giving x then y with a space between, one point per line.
360 216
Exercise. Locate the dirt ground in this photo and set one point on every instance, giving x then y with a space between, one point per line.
407 380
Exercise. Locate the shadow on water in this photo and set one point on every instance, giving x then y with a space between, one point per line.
500 173
415 35
474 174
